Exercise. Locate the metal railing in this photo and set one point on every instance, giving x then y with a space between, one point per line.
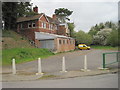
104 58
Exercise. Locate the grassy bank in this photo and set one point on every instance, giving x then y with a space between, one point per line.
104 47
23 54
11 39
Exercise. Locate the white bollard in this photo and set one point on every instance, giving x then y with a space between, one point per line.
39 67
13 66
63 65
85 64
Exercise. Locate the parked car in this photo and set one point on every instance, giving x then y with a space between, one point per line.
83 47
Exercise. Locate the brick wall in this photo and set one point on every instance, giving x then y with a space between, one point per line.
61 30
65 44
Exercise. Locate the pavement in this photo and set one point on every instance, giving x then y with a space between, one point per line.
52 66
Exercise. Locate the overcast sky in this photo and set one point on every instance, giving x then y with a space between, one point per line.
85 14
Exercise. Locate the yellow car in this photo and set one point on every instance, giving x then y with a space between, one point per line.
83 47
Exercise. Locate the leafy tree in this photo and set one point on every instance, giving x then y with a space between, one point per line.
113 38
71 27
24 9
92 32
101 26
12 10
82 37
63 14
101 37
9 13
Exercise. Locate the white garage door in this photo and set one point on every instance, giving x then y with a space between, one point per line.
47 44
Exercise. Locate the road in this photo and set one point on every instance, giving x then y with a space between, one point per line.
100 81
74 61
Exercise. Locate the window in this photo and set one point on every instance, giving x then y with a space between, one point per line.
63 41
56 27
60 42
29 25
43 25
51 26
33 24
67 41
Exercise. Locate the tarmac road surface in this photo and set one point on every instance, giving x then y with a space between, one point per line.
99 81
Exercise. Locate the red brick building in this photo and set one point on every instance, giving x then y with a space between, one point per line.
46 32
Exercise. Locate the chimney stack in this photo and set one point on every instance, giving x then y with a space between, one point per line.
35 9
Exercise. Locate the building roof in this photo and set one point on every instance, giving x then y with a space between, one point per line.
22 19
46 36
51 20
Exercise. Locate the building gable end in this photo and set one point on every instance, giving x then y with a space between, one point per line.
44 18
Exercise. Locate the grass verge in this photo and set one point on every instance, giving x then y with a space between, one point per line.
47 76
105 47
23 55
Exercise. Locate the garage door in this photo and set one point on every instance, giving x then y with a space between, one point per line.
47 44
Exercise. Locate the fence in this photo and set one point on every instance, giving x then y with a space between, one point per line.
104 58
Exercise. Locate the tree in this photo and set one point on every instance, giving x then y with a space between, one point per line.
82 37
113 38
101 37
63 14
71 27
9 13
12 10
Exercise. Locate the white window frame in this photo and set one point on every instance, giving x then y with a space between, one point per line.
56 28
51 26
29 24
43 25
33 23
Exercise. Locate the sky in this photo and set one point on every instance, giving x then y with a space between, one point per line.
86 13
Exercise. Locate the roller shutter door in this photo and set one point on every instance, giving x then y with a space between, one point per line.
49 44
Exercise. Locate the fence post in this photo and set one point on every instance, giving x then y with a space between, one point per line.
13 66
63 65
39 67
103 60
85 64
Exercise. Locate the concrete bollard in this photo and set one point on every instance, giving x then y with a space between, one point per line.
63 65
85 64
13 66
39 67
